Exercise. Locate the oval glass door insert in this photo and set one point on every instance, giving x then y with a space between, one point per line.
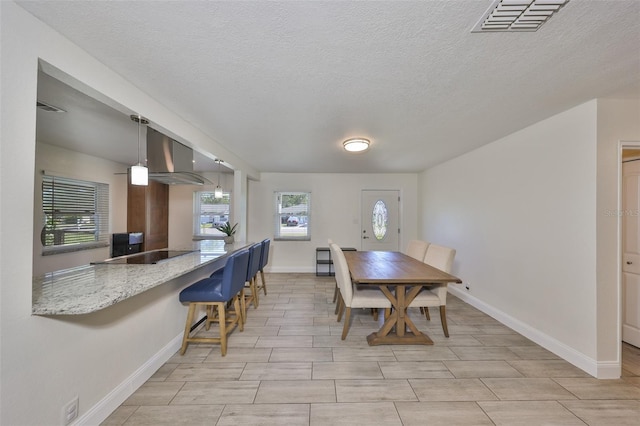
379 220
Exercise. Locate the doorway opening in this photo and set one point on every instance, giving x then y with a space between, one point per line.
629 290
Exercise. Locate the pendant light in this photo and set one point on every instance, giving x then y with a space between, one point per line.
217 193
139 173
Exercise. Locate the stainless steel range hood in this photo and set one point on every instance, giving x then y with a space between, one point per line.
170 162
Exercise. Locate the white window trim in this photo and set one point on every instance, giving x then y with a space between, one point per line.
197 236
277 216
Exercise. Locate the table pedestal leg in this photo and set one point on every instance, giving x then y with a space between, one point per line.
400 320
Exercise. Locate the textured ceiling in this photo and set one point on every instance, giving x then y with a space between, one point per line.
281 84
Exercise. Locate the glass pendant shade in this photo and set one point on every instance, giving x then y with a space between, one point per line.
217 193
139 175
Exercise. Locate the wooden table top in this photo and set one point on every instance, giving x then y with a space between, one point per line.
392 267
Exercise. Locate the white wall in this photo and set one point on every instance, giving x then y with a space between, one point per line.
335 212
618 120
46 361
75 165
521 213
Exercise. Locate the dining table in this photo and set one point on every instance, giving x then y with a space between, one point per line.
400 278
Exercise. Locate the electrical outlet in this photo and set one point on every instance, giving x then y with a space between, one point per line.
70 411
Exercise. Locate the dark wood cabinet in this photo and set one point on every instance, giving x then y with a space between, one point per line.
148 212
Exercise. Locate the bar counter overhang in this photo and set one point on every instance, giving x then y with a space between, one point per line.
90 288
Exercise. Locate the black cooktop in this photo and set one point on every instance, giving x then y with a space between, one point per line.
147 258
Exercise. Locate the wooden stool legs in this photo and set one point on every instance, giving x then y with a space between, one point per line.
264 283
216 312
187 327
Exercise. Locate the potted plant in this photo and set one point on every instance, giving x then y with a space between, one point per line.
228 230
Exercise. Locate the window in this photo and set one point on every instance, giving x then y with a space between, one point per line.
292 216
76 214
210 212
380 220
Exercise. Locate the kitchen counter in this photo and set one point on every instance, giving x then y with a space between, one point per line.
89 288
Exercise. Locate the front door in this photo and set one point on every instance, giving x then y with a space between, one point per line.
631 252
380 220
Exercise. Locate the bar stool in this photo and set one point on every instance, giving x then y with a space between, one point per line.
215 293
264 259
255 251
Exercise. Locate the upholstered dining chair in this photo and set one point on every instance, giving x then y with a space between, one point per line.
417 249
350 295
223 287
442 258
255 251
264 259
335 290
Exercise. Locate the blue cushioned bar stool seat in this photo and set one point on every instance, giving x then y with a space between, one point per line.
255 251
264 259
223 288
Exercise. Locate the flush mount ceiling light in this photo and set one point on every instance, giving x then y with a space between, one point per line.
517 15
356 144
139 173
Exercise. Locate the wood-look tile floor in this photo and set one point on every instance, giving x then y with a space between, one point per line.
289 367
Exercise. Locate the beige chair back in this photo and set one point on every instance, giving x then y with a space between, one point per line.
343 278
442 258
417 249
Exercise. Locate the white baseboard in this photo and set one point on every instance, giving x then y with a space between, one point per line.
630 334
600 370
291 270
609 370
107 405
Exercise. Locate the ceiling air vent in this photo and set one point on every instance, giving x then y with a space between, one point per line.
48 107
517 15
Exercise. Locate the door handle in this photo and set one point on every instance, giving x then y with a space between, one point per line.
629 263
365 238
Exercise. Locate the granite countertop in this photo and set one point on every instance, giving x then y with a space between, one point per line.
89 288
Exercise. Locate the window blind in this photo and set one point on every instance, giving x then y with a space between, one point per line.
76 212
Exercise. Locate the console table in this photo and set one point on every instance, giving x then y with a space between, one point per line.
324 263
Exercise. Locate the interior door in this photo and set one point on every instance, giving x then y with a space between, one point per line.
380 220
631 252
